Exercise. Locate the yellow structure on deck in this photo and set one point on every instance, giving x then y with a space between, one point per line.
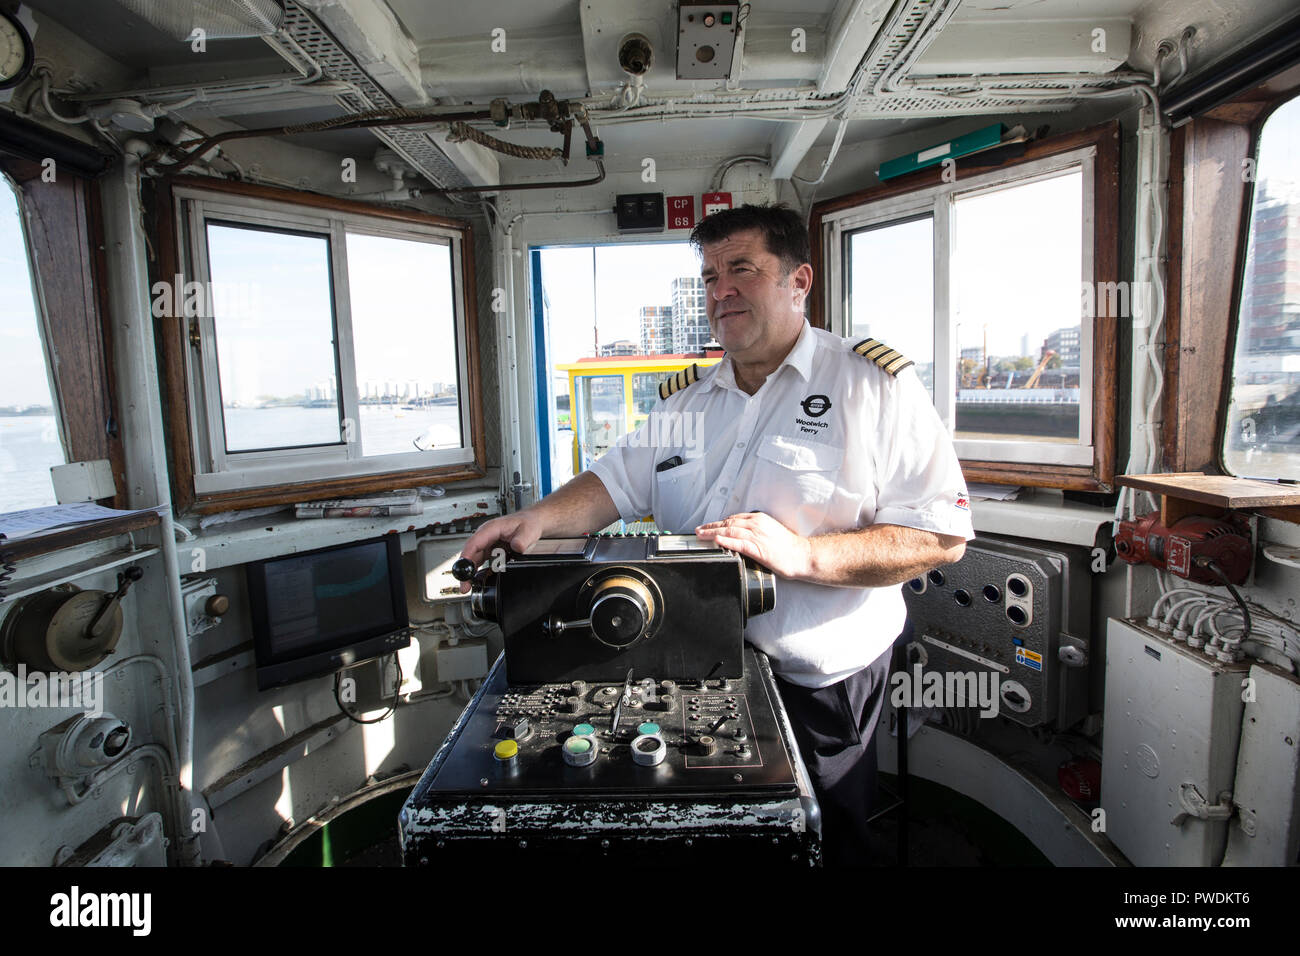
609 397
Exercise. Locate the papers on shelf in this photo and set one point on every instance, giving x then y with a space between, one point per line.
994 492
37 520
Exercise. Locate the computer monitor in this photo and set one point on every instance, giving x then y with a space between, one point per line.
316 612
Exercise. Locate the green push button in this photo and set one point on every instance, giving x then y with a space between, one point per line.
726 19
577 745
648 728
584 730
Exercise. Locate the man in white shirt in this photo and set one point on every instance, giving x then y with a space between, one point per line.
825 464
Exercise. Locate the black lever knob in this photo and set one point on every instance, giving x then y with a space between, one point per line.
463 569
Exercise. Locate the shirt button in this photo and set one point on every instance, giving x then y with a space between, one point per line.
723 490
740 444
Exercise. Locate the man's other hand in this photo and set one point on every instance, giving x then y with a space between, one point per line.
761 537
518 531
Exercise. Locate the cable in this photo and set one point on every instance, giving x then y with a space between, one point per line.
45 74
458 132
392 708
830 157
1218 573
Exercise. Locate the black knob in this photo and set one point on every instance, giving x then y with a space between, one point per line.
463 569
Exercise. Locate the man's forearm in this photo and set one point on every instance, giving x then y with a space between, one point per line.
582 504
872 557
879 555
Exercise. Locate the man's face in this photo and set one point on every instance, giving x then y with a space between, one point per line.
755 310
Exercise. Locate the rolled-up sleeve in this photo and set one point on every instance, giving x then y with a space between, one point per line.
626 471
919 479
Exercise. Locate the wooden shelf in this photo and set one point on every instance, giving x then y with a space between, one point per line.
1187 493
30 546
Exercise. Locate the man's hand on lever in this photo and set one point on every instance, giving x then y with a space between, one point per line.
876 556
581 505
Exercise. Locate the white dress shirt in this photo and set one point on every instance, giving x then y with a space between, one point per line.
830 442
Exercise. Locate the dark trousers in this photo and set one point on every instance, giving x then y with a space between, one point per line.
835 728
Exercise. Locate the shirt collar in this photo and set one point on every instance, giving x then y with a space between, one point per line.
800 358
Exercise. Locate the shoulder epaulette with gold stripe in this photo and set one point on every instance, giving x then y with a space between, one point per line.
891 360
687 376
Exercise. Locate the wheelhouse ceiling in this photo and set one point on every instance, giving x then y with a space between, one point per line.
873 66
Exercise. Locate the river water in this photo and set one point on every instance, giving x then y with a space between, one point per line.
29 444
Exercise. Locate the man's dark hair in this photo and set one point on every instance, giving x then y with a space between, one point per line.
783 231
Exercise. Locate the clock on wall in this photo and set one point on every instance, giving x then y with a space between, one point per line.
15 51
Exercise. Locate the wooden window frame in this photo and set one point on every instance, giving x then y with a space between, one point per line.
1209 212
1099 476
64 233
173 341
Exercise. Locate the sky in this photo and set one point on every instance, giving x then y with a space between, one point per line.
627 278
23 378
259 275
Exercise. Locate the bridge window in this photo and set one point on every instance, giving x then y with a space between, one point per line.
320 343
1263 424
29 416
615 320
999 282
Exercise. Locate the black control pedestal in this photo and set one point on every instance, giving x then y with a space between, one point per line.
649 770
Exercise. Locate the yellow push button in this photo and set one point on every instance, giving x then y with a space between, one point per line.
506 749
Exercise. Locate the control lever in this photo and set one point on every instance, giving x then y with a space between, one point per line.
626 697
124 581
553 626
482 597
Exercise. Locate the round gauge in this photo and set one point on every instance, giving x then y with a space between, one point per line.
15 52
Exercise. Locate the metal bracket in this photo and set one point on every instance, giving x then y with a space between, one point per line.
1072 652
1246 820
1195 805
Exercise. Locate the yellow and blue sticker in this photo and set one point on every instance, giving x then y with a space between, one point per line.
1029 658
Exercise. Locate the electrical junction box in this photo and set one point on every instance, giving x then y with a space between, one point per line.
640 212
83 481
465 660
1169 747
706 39
1266 791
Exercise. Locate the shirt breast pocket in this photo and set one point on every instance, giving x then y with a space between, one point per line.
678 495
794 480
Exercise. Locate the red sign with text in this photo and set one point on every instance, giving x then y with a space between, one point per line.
715 202
681 212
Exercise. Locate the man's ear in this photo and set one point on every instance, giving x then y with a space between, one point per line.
802 279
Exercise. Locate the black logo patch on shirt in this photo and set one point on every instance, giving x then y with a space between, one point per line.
815 406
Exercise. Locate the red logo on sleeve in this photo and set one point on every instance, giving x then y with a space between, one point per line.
963 503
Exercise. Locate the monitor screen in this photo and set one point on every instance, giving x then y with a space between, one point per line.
318 611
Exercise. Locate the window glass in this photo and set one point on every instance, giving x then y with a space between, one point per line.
1016 310
645 395
404 340
612 306
891 289
274 321
29 433
1263 422
600 415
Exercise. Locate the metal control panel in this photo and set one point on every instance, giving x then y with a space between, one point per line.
1017 611
709 730
663 770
